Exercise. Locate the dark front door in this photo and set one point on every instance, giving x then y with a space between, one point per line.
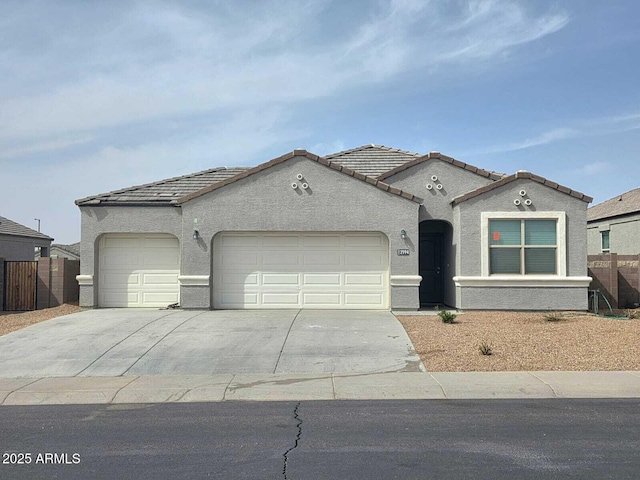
430 258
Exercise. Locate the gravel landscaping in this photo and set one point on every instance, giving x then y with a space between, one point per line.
524 341
12 321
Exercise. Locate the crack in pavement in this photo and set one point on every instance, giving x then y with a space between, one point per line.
295 445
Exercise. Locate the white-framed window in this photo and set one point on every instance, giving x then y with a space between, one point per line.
604 237
523 243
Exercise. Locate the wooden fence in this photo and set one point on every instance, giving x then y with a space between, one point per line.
20 280
49 282
617 277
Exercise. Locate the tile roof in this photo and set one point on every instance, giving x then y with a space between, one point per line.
9 227
73 249
516 176
624 204
163 192
310 156
444 158
372 160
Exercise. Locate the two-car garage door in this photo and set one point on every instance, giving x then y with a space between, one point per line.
301 270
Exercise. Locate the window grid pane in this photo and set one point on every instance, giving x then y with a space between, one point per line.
505 260
540 260
505 232
540 232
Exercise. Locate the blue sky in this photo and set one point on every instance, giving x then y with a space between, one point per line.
96 96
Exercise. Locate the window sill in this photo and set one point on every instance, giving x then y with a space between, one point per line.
527 281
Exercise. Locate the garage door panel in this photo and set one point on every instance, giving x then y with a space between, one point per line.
369 260
363 241
317 279
236 241
322 299
298 270
281 299
159 298
122 279
239 299
239 279
280 279
361 299
280 241
321 241
138 271
322 259
123 260
374 279
159 278
125 242
160 259
239 259
275 258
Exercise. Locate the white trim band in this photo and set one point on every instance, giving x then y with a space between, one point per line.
194 280
84 280
405 280
528 281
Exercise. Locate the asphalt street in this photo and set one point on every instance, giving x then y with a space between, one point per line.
454 439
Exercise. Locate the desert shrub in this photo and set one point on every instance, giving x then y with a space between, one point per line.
632 313
552 316
485 349
447 317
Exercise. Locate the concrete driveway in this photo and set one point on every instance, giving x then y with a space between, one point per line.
174 342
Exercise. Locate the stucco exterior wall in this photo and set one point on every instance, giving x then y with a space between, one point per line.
333 202
97 221
469 254
455 181
624 235
20 249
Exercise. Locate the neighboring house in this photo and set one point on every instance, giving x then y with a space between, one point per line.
19 243
71 252
368 228
613 226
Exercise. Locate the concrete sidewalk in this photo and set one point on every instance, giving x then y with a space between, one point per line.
355 386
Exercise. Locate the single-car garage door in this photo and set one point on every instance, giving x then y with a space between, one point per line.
138 271
301 270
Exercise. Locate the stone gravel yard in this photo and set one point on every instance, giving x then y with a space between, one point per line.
12 321
522 341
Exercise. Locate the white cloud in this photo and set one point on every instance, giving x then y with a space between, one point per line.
595 168
159 60
592 127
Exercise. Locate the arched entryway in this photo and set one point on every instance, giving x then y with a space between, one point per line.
436 259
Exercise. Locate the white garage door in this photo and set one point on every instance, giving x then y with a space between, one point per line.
301 270
139 271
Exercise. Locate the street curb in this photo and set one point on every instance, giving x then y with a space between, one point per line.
330 386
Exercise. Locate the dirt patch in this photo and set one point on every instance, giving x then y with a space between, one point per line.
12 321
525 341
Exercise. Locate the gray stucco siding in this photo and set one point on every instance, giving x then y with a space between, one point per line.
99 221
517 298
624 235
334 202
455 181
20 249
469 251
545 199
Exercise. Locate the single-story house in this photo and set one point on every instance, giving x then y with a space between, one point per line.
19 243
367 228
613 226
70 252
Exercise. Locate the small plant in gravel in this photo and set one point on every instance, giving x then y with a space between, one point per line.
632 313
485 349
553 316
447 317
